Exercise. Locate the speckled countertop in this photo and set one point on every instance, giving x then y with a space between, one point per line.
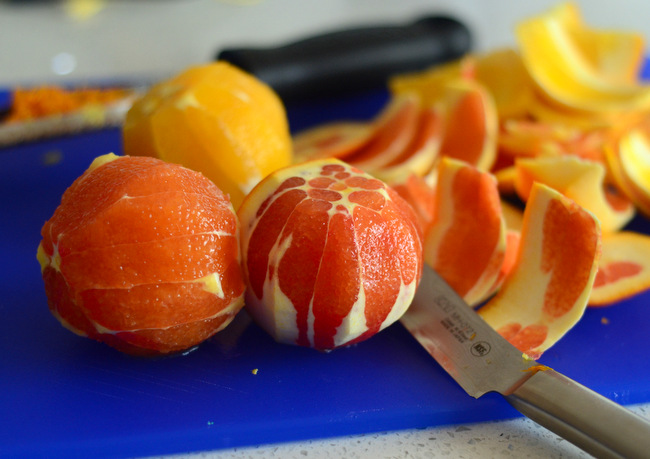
516 438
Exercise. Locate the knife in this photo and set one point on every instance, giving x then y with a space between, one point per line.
482 361
351 60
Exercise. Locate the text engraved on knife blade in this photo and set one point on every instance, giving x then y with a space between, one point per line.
460 327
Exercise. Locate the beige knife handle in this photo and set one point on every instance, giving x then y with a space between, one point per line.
588 420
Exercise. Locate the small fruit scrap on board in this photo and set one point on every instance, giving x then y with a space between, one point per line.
559 126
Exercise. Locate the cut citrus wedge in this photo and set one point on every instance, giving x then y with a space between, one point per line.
624 268
547 290
579 180
466 241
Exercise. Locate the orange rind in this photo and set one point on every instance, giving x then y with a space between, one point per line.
624 268
331 255
582 69
504 75
466 241
629 163
331 140
547 291
470 125
579 180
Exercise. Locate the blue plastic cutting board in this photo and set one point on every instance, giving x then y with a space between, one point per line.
65 396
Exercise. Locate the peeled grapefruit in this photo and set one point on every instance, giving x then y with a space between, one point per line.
330 254
142 255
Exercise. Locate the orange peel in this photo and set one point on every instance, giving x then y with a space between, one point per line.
575 71
471 124
466 241
629 164
547 291
624 269
579 180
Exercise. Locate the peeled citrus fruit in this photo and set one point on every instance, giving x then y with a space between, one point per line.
215 119
142 255
331 255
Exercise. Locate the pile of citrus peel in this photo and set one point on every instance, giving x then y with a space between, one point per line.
513 174
560 124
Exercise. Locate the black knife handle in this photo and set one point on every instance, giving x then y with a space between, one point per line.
353 60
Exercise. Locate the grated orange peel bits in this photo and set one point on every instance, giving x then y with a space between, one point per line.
331 255
548 288
142 255
215 119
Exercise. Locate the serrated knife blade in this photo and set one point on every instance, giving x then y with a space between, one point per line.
482 361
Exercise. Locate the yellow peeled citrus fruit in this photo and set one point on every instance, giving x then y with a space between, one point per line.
215 119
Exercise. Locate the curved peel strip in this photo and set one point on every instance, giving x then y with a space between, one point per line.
466 242
624 268
417 192
629 163
419 157
568 72
393 130
332 140
579 180
430 84
547 291
471 125
503 73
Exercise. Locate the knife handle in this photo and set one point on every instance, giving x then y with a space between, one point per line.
353 60
590 421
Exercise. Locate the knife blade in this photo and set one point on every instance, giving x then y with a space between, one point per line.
482 361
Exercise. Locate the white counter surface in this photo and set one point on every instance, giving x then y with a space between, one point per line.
81 41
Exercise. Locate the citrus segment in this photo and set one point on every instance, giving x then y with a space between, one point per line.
623 269
579 180
215 119
548 288
141 254
331 255
466 241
